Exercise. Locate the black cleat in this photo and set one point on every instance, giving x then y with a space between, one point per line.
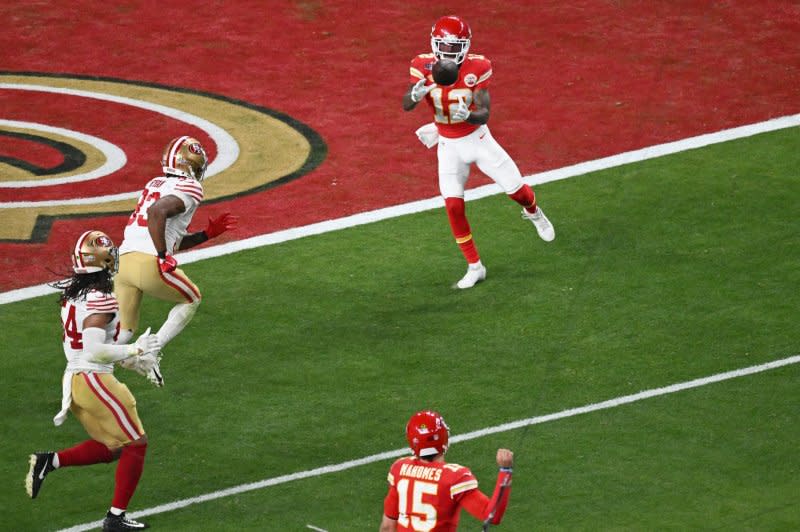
120 523
41 465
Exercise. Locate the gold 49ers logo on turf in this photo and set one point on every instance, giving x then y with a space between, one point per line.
81 146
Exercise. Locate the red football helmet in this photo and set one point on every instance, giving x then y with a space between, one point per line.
427 433
450 38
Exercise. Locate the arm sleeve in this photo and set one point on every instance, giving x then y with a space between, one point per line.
483 508
97 350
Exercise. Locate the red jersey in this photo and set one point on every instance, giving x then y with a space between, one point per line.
426 496
473 74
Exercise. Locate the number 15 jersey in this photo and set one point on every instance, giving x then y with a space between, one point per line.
137 235
426 496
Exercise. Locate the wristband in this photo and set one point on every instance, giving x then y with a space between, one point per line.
506 469
162 255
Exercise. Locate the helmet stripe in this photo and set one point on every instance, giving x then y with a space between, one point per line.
174 149
78 246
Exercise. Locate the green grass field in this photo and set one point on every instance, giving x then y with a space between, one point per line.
316 351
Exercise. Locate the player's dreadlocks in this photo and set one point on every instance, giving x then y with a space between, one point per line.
80 284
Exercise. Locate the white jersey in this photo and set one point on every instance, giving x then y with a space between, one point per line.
137 236
73 313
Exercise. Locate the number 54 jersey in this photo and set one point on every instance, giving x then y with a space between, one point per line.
426 496
73 314
137 235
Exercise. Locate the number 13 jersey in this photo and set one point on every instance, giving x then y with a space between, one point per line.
137 235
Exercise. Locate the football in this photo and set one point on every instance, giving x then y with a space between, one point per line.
445 72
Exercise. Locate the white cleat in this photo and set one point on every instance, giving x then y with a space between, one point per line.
154 375
541 223
474 275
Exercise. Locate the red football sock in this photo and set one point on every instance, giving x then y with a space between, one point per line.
85 453
129 470
456 213
525 197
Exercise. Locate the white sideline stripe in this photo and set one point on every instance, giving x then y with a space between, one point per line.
643 154
611 403
318 529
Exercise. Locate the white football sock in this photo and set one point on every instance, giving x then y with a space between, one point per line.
178 318
124 336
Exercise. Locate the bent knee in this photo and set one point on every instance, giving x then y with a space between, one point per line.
454 206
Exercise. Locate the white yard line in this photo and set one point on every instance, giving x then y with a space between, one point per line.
324 470
432 203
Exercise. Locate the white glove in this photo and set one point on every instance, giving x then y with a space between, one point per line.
151 362
462 111
420 90
146 362
146 366
148 343
146 347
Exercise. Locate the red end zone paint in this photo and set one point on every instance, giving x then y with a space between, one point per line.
571 82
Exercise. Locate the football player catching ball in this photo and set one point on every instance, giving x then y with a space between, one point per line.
460 114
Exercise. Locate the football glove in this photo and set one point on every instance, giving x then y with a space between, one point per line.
148 343
462 111
146 366
220 224
420 90
167 264
144 351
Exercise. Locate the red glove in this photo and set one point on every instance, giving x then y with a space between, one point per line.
167 264
220 224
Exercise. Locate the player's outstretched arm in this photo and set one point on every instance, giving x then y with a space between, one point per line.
96 349
415 94
216 226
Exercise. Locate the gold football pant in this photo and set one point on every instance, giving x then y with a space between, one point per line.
139 274
106 409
